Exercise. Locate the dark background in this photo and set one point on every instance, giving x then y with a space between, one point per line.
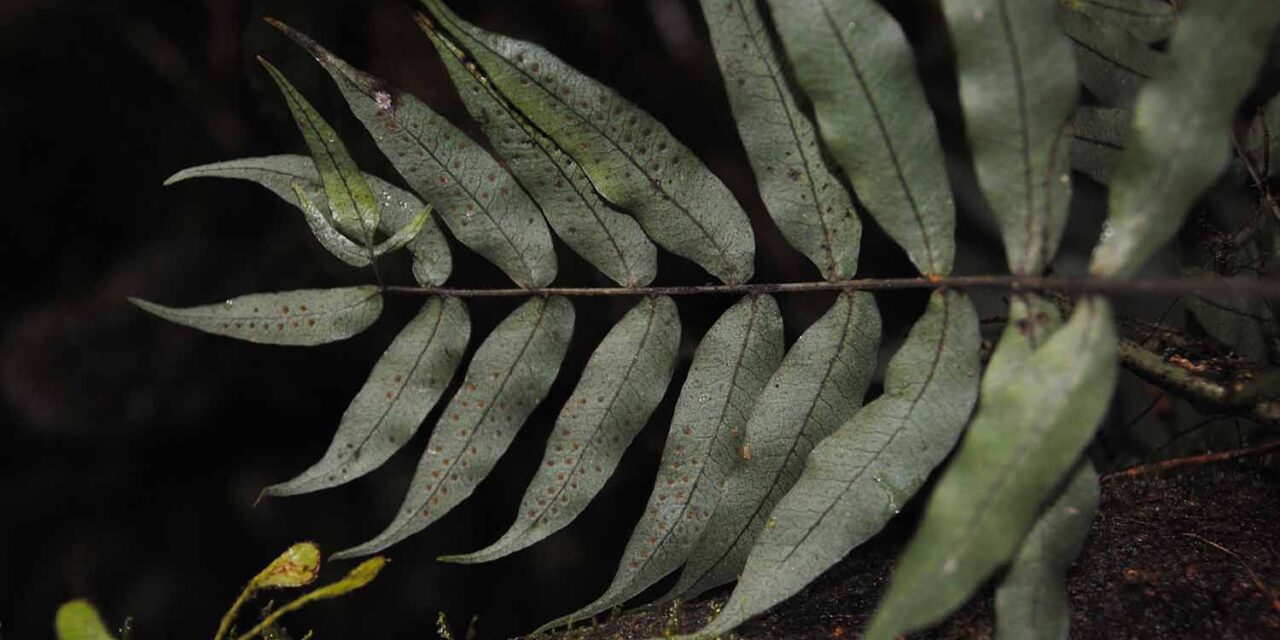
131 451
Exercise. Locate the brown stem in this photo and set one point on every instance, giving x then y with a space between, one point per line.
1208 458
1244 287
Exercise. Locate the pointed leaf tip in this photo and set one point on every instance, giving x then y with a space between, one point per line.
432 258
858 478
508 377
305 317
475 196
403 387
624 380
730 369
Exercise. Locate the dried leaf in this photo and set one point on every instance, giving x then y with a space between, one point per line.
622 384
855 64
631 158
304 317
404 385
820 384
1018 90
508 377
1179 143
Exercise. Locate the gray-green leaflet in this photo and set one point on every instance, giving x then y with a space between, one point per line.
776 463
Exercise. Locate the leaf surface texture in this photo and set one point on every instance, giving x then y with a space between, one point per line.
1182 120
508 377
622 384
305 317
404 385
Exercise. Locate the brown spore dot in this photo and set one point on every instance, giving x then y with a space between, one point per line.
284 309
398 378
302 308
455 417
686 430
389 395
311 323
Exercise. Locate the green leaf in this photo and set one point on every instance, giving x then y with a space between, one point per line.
1018 90
810 206
857 67
79 620
1031 602
1182 120
304 317
1149 21
404 385
508 377
476 198
351 201
820 384
328 235
631 158
730 369
622 384
1113 64
432 262
858 478
1099 141
612 241
1041 401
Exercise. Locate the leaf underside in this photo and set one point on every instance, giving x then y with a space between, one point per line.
484 207
622 384
812 209
305 317
1032 600
1113 64
819 385
856 66
1018 91
1181 123
432 262
1100 133
631 158
1042 398
611 241
1150 21
404 385
730 368
508 377
858 478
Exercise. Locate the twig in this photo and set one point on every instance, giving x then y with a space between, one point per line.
1244 287
1257 582
1207 458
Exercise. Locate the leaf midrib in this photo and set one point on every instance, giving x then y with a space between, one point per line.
784 98
654 182
475 429
791 450
883 129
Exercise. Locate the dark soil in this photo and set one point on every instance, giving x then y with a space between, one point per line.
1191 553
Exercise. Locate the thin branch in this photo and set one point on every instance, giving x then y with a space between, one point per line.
1208 458
1257 582
1244 287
